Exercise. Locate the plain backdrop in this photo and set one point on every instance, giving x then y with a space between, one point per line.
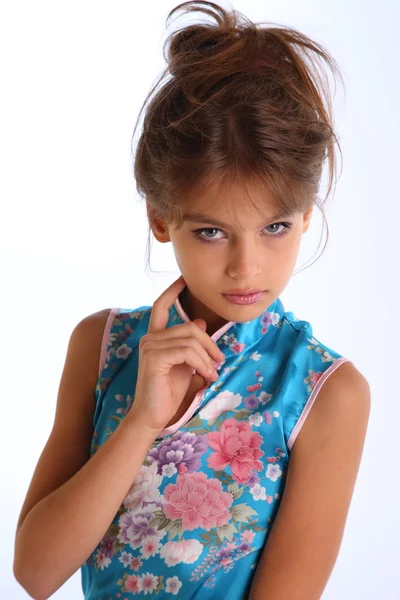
73 231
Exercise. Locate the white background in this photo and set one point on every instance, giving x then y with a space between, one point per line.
73 231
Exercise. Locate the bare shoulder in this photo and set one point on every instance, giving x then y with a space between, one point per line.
321 477
68 445
342 405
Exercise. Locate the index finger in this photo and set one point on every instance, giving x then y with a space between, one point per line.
160 311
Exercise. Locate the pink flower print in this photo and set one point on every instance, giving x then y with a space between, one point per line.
248 535
237 348
149 582
136 563
314 376
173 585
257 373
231 545
198 501
150 546
254 387
133 584
237 446
182 468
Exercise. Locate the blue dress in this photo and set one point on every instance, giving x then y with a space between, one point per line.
196 518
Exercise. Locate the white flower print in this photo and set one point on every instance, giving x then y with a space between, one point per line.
144 488
126 558
255 419
255 356
182 551
173 585
264 397
223 401
258 492
273 472
102 561
169 470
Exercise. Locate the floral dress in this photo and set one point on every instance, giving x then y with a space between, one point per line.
196 518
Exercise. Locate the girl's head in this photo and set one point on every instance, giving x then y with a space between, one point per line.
236 137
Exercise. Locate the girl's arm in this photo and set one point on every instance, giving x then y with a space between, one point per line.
72 498
305 539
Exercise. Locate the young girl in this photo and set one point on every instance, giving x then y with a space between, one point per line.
207 446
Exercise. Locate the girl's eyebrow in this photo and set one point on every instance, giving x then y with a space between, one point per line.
196 217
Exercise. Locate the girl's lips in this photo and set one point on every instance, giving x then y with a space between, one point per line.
242 292
244 298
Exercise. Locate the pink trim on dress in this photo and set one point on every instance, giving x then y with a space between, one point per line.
104 343
312 398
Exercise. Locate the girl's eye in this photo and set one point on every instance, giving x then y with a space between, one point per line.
286 227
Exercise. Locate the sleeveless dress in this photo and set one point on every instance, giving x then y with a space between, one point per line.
196 518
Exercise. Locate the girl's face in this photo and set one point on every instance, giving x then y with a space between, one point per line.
218 250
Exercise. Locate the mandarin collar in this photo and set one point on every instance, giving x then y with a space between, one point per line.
234 337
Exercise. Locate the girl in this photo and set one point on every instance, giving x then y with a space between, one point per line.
208 446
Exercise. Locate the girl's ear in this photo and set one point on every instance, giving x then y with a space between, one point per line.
158 227
307 218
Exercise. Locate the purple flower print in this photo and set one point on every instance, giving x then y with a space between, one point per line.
268 418
268 318
244 547
134 527
253 479
183 448
106 546
251 401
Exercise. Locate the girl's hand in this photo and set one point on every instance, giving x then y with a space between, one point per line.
167 358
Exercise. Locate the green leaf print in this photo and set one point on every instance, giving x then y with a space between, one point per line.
201 430
242 512
235 490
160 584
195 422
159 520
242 414
226 531
175 528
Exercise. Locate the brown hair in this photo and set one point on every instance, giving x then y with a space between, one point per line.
243 106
